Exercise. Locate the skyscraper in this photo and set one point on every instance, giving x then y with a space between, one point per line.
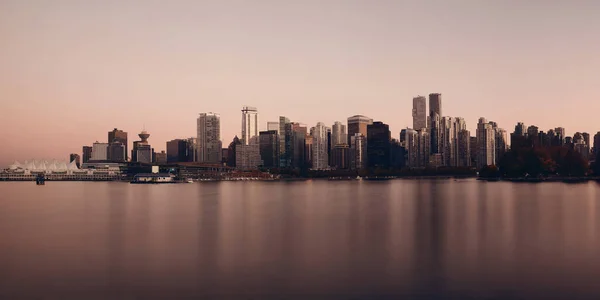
486 138
435 118
319 151
284 156
358 151
448 137
411 144
209 138
249 125
192 151
121 136
358 124
340 156
597 144
378 145
419 112
424 140
464 148
116 151
338 134
298 146
501 143
269 148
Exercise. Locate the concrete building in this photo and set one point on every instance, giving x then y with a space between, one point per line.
249 125
464 148
419 112
284 142
411 144
320 157
160 158
358 152
358 124
86 154
448 141
378 145
142 152
501 143
99 151
192 151
117 152
341 156
177 151
120 136
269 148
486 148
424 147
209 138
247 157
339 135
231 152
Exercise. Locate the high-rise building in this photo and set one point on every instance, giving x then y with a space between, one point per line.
597 144
338 134
583 149
424 140
249 125
358 151
501 143
177 151
341 156
378 145
121 136
419 112
586 138
273 126
435 104
116 151
298 146
486 138
319 152
86 154
448 141
411 144
142 151
562 133
99 151
248 155
308 150
473 150
192 151
358 124
284 142
518 137
209 138
232 150
532 131
76 158
397 155
269 148
464 148
435 118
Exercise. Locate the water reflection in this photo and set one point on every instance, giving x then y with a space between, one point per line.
402 238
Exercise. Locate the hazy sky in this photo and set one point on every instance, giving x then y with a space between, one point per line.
70 71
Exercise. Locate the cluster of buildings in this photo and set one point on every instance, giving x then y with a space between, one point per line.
359 143
433 141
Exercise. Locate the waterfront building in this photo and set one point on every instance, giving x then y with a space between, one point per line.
116 151
397 155
435 118
419 112
338 134
473 150
269 148
284 142
177 151
76 158
86 154
448 141
192 151
60 170
597 144
358 124
341 156
411 144
248 154
232 150
298 146
486 138
320 160
120 136
209 138
99 151
424 147
247 157
249 125
500 143
378 145
308 150
464 148
142 151
358 151
160 158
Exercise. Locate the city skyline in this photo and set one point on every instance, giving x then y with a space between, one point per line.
76 73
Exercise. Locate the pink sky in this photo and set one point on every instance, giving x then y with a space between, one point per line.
70 71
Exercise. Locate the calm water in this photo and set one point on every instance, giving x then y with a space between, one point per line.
400 239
